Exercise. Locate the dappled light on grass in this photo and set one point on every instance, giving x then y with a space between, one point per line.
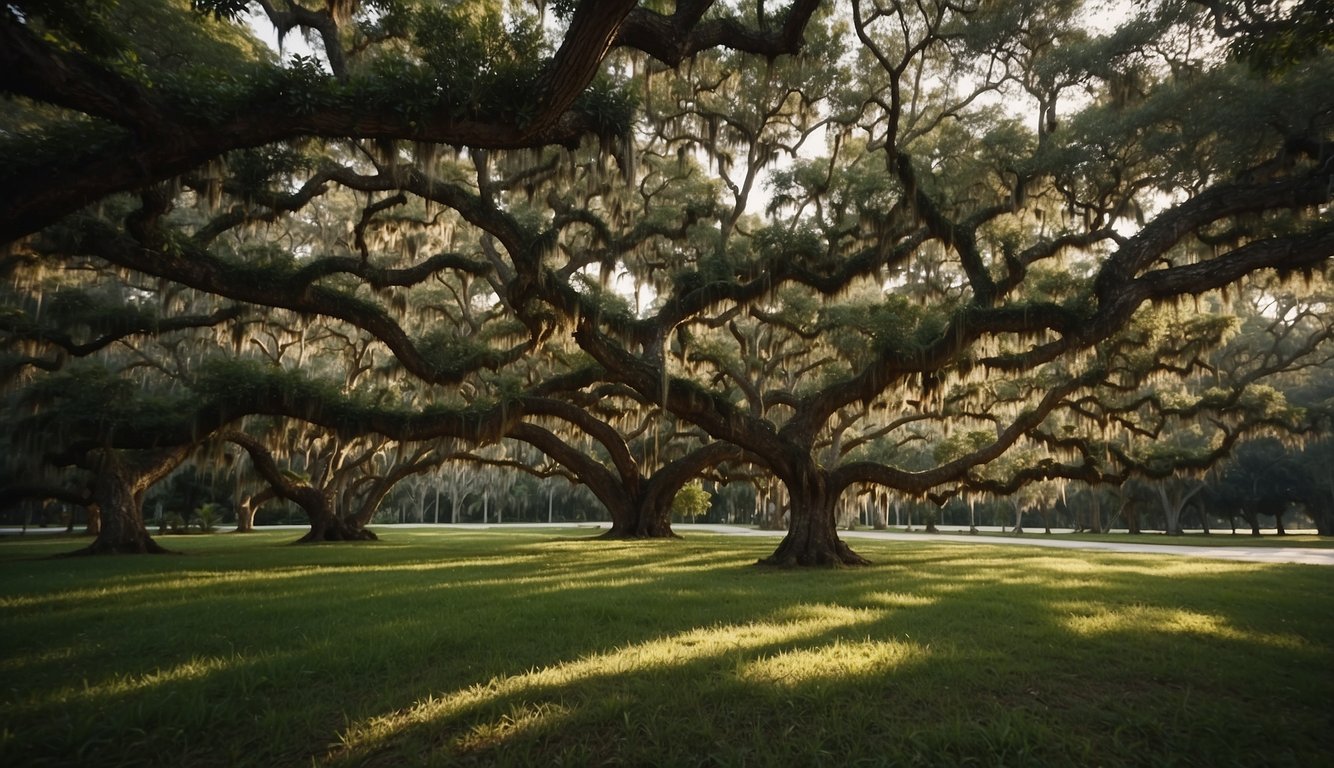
899 600
183 582
521 718
500 649
834 663
166 585
1143 620
193 669
1072 571
535 696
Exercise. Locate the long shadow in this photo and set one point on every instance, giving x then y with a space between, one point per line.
551 650
958 692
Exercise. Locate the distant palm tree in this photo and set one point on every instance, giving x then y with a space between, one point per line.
207 516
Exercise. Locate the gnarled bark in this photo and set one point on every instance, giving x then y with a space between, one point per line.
119 484
325 522
812 533
318 503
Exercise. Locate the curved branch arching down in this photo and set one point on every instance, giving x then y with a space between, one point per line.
298 292
159 140
326 524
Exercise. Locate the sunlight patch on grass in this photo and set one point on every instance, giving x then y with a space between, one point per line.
195 668
162 585
521 718
48 656
544 585
1066 565
830 614
183 582
1175 567
655 656
899 600
832 663
595 583
1078 572
1089 621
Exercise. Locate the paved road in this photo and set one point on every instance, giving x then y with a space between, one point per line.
1304 555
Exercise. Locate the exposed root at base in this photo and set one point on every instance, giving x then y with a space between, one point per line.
842 557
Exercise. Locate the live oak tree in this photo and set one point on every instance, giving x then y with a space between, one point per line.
433 355
134 126
1000 198
991 212
1281 324
344 482
88 359
635 471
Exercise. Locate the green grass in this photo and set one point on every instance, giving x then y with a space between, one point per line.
543 648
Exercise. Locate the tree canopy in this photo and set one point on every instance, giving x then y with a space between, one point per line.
937 248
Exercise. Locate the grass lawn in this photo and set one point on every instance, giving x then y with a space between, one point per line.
543 648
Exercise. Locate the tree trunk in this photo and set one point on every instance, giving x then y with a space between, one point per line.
325 523
329 526
1324 522
1174 500
769 511
1253 519
812 532
1323 515
1095 513
1132 518
245 515
118 495
245 518
642 518
642 511
648 513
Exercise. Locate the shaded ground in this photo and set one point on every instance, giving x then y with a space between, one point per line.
442 646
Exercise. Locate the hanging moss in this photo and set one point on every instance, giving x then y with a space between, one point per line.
611 105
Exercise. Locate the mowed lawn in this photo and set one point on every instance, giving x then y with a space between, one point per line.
548 648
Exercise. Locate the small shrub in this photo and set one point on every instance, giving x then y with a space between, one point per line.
172 522
207 516
691 503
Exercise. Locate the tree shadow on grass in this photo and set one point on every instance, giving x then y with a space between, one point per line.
551 650
954 667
